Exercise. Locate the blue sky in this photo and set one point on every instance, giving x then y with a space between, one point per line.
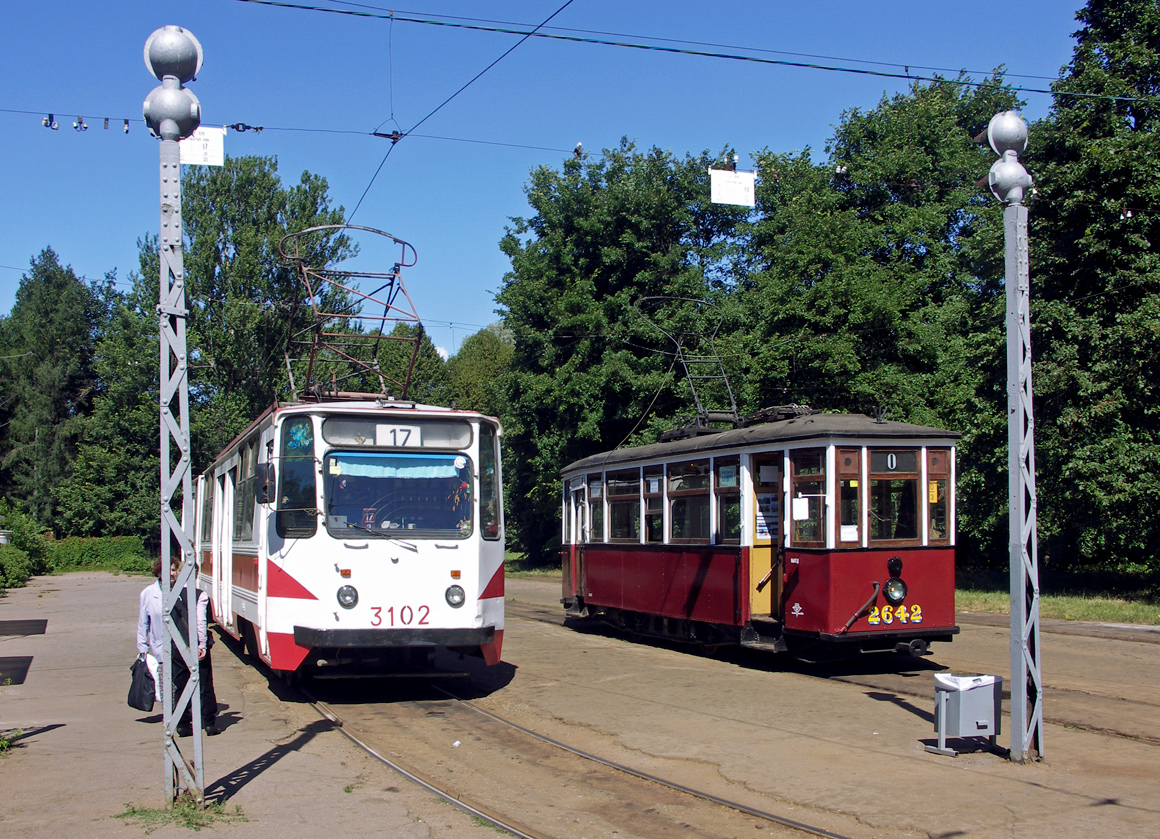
321 83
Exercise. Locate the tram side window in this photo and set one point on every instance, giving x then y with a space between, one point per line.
595 509
850 496
297 516
207 483
727 486
938 471
489 489
654 504
624 506
894 499
244 493
689 501
808 480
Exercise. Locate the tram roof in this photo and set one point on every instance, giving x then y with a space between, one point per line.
355 403
799 429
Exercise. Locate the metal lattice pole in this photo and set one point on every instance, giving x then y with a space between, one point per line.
173 113
1009 181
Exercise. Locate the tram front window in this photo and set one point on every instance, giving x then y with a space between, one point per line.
894 498
390 494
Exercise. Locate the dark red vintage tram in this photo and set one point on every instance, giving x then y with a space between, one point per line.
808 534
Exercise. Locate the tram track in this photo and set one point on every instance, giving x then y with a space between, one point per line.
1131 718
622 793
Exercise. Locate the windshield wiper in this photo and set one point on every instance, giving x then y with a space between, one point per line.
383 534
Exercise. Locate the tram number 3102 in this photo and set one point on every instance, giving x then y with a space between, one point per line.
405 616
889 614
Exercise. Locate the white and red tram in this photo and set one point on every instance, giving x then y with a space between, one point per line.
356 536
810 534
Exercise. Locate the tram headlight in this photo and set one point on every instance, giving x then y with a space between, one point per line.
895 590
455 596
348 597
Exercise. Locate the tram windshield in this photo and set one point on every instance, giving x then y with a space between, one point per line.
392 494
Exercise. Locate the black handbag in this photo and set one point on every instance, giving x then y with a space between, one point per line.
142 689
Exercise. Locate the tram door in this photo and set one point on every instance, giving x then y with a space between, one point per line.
575 531
222 542
764 562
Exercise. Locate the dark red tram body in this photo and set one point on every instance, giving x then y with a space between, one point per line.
804 535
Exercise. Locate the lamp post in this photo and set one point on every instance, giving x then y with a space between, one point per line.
173 113
1009 182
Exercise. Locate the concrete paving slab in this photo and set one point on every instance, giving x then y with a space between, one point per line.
85 754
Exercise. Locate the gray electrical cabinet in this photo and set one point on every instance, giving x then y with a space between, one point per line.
966 706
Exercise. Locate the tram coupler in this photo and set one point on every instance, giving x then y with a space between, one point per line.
916 647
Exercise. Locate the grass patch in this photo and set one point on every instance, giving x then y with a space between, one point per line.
517 567
184 813
7 738
1063 607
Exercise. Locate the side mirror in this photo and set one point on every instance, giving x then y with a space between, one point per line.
265 483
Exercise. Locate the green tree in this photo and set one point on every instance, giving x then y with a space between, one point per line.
113 486
476 369
1095 278
875 277
429 378
47 380
245 301
587 370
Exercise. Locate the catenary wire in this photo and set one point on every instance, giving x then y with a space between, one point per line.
702 43
699 53
441 105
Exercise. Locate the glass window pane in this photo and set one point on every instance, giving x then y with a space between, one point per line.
689 517
729 519
624 520
939 527
810 529
596 508
489 488
893 509
624 483
689 477
297 489
398 494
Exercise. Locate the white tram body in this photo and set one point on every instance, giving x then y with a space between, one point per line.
355 536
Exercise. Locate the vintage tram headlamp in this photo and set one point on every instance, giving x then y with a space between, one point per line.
455 596
895 588
348 597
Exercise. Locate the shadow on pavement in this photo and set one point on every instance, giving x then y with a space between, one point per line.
223 789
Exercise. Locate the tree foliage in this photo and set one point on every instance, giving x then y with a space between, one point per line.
245 300
1096 295
114 485
586 367
47 380
476 370
868 278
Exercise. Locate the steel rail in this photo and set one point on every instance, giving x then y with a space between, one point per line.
628 770
475 809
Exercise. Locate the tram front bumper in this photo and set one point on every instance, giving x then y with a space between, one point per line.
357 638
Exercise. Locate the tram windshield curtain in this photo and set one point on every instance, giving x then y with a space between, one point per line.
396 466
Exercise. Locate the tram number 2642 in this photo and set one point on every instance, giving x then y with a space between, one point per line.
403 616
889 614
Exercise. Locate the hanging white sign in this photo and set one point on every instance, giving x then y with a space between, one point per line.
729 187
204 147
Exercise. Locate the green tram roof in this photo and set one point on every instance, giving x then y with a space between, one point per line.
852 427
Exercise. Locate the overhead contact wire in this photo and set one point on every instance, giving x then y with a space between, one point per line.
805 65
441 105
